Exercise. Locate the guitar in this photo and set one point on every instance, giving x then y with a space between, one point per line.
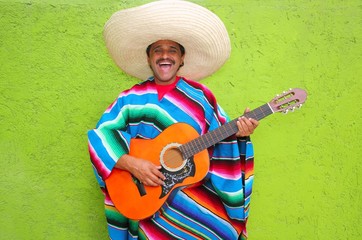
184 158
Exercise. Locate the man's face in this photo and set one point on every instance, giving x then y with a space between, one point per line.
165 58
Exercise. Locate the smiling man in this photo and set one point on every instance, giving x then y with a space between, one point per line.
170 46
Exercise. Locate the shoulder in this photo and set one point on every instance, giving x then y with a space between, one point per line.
196 85
200 88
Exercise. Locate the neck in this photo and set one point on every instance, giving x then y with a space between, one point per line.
166 82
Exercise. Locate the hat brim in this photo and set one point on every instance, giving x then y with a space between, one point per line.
204 36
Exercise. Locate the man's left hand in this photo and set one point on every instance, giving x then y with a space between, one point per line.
246 126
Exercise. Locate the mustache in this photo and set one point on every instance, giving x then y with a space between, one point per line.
165 59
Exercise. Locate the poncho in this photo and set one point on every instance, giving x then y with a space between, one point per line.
216 209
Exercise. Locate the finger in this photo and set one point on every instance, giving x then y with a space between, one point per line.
150 180
246 123
151 183
247 126
157 172
242 127
254 122
157 176
154 180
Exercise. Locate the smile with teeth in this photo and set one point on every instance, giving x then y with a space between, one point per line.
165 62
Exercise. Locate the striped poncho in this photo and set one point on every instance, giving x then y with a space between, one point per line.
216 209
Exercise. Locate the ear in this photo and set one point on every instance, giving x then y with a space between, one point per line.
182 60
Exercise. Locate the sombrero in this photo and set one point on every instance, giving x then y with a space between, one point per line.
204 36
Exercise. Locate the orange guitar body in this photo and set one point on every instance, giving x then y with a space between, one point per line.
122 186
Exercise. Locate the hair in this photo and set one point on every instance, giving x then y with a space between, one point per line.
182 49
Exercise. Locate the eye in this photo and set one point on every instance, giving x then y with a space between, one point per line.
173 50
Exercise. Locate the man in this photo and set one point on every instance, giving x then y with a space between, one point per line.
173 44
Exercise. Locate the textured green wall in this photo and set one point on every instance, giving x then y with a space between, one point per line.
57 79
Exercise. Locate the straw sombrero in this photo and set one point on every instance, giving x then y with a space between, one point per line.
128 33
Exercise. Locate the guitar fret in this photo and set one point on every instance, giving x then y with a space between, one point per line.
214 134
198 144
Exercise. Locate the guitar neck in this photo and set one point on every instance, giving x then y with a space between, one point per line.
211 138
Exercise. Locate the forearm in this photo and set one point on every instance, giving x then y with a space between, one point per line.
125 162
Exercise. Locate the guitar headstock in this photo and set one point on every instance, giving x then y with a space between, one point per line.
288 100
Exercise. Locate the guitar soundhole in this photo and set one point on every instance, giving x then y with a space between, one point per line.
171 158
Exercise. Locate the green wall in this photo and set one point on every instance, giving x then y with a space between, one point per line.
57 78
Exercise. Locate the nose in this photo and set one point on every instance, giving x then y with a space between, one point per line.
164 54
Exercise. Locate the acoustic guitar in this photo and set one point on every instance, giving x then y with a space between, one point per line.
184 158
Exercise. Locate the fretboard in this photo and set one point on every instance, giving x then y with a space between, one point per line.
212 137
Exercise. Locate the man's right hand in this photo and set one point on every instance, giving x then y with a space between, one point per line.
145 171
